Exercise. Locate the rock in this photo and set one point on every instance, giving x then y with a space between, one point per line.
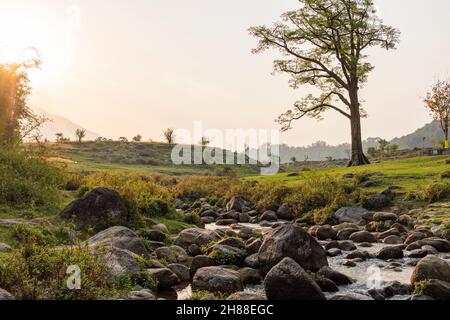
182 272
232 242
393 240
375 201
347 246
350 297
250 276
254 246
100 208
331 245
326 232
288 281
440 245
209 214
339 278
405 219
358 254
284 213
197 236
164 253
180 253
223 254
334 252
154 264
164 278
425 230
430 250
252 261
326 285
245 233
226 222
238 204
4 247
376 294
390 232
142 295
119 237
194 250
5 295
385 216
217 279
437 289
269 216
350 214
244 217
363 236
230 215
346 233
155 235
199 262
246 296
388 253
349 263
291 241
121 262
396 288
421 297
414 237
431 267
418 253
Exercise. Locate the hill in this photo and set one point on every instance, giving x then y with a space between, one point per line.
57 124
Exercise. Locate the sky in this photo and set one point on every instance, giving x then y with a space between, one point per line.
120 67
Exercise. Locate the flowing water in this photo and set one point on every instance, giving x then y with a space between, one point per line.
373 273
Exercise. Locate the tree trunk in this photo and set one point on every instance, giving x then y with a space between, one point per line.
358 157
446 136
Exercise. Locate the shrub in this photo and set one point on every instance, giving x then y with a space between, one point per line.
221 258
434 192
319 197
192 218
42 236
36 272
28 181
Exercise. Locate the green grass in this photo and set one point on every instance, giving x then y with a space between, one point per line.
408 174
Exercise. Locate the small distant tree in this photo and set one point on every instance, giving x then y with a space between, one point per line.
438 103
392 148
294 160
204 142
81 134
123 139
60 137
382 144
169 134
137 138
329 158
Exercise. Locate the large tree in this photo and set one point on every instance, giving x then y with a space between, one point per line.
438 103
16 118
324 45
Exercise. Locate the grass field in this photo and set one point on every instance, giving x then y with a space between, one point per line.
408 174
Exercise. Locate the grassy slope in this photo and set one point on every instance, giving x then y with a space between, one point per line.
143 157
409 174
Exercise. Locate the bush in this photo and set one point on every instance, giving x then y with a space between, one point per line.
319 197
36 272
28 181
434 192
142 194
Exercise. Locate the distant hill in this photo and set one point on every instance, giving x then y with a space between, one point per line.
423 137
58 124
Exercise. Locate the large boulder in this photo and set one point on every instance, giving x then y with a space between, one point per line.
224 254
199 262
217 279
376 201
120 262
350 214
291 241
142 295
164 277
5 295
269 216
338 278
431 267
118 237
326 232
239 204
100 208
197 236
288 281
387 253
437 289
385 216
181 271
439 244
284 213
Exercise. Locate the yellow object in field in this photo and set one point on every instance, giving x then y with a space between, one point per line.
446 144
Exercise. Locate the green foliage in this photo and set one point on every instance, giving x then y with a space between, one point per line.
192 218
434 192
27 180
199 295
35 272
221 258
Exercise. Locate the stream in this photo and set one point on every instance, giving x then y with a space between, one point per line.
373 273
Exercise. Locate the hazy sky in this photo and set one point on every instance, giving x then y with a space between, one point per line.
128 67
